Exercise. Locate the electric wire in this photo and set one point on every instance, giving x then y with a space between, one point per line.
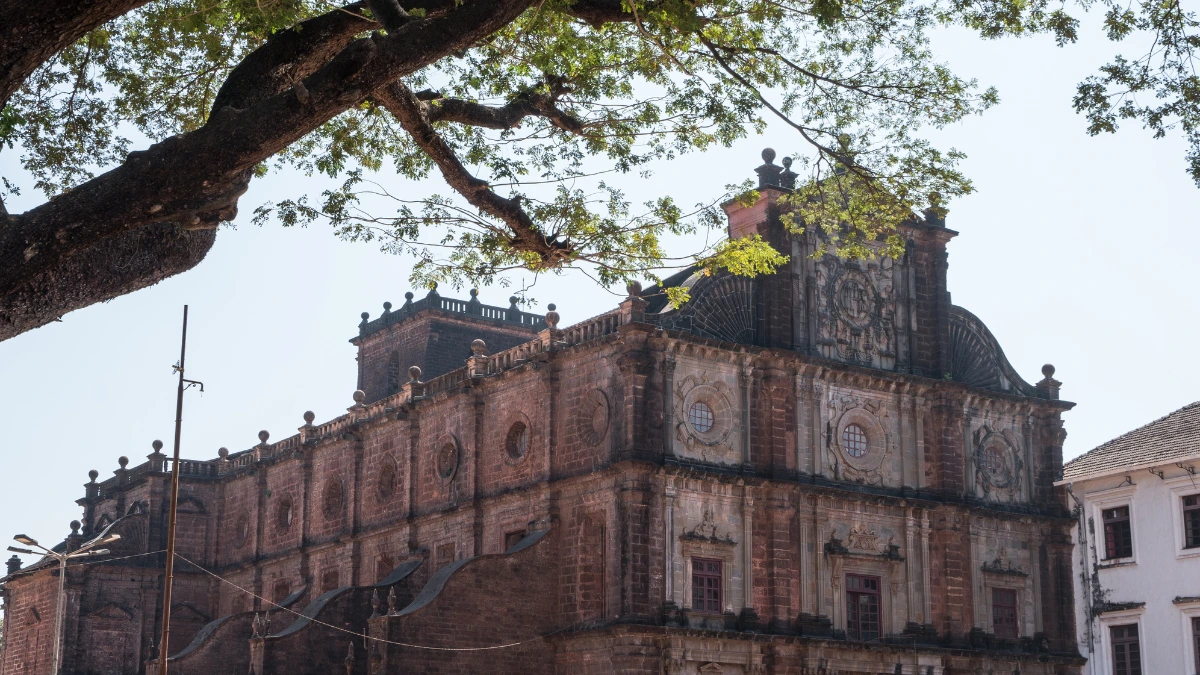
365 636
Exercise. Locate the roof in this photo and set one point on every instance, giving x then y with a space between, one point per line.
1168 438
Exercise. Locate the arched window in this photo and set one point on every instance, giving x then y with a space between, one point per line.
517 441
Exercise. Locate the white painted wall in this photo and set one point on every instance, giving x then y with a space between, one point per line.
1159 571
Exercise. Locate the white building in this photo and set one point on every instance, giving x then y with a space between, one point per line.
1137 549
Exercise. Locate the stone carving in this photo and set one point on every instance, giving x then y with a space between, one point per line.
722 308
592 418
1002 564
711 669
977 360
707 530
385 485
674 665
998 466
864 539
857 312
859 465
241 530
706 419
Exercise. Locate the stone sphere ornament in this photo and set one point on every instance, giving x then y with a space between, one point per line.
309 417
122 461
359 396
263 436
1048 370
414 373
552 316
478 347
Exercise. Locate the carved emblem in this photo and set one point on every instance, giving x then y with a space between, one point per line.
864 539
1002 564
711 669
859 444
593 418
857 311
707 530
998 466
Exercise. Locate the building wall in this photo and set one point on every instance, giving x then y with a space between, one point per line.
1157 589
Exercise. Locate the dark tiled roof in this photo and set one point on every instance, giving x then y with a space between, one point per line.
1173 436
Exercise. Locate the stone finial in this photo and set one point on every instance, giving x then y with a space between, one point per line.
478 347
935 214
359 396
223 453
256 626
122 461
309 417
157 445
1049 386
376 605
474 294
93 474
263 436
768 173
349 661
387 307
408 296
14 564
365 316
433 291
633 289
391 601
414 373
75 525
787 177
512 302
552 316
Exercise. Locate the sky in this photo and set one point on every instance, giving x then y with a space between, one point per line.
1074 250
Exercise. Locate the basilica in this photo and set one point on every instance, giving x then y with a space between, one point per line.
831 469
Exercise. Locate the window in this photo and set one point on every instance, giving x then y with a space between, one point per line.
1118 536
445 554
854 440
517 441
1191 521
1196 641
862 607
1004 613
283 514
513 538
1127 656
281 590
706 585
329 580
700 416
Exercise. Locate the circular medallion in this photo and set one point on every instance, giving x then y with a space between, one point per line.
516 443
592 420
854 299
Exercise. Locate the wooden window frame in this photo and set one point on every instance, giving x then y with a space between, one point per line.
1015 633
1191 521
708 575
1129 665
854 629
1195 623
1118 530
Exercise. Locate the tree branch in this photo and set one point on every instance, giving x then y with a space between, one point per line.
33 32
525 235
529 104
132 261
196 178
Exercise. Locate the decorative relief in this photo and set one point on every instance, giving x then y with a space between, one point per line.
331 500
385 484
445 463
864 539
1002 564
857 312
241 529
998 465
707 531
706 418
592 418
859 443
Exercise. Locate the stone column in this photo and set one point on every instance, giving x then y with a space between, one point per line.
669 545
668 404
745 380
910 569
747 552
926 589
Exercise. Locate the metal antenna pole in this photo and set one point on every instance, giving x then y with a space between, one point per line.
169 577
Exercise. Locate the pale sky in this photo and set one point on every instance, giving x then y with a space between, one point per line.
1074 250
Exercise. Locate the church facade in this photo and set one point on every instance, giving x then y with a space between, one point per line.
831 469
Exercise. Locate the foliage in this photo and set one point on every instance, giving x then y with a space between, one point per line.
545 115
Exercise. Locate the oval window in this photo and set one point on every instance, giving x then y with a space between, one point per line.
283 514
700 416
854 440
517 441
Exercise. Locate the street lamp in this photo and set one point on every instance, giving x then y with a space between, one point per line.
87 549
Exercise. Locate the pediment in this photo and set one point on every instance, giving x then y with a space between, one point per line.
112 611
184 612
190 505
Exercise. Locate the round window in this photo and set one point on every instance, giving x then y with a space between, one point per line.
517 441
854 440
283 514
700 416
993 461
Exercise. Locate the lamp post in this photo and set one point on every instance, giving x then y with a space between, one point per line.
87 549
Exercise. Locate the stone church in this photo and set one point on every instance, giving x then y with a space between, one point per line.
827 470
